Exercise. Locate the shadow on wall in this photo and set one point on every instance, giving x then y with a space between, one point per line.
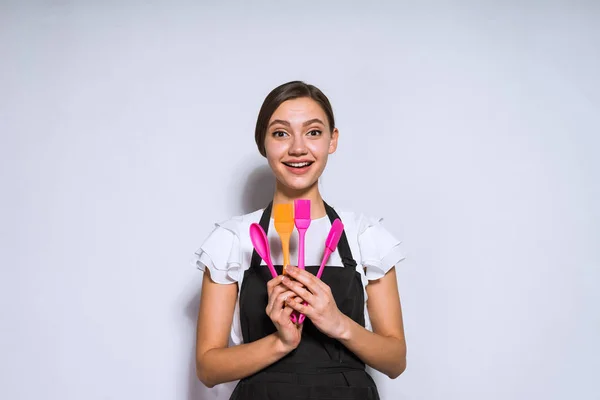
257 192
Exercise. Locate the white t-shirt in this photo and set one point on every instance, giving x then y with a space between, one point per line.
227 251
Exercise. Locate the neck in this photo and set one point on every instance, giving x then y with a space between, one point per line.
284 194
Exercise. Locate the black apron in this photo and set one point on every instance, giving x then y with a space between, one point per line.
320 367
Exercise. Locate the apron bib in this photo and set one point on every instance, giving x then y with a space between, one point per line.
320 367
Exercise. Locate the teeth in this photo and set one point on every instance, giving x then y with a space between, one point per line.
298 165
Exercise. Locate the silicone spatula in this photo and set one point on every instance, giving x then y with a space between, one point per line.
261 244
284 225
333 238
302 222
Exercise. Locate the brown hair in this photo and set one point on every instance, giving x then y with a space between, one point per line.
288 91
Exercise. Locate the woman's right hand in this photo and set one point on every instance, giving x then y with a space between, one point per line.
279 312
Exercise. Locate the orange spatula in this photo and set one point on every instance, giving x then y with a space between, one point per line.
284 225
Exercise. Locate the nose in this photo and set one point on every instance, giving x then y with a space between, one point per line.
298 146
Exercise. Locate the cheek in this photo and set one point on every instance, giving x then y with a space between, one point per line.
275 152
320 149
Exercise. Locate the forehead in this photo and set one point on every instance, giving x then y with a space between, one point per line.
299 110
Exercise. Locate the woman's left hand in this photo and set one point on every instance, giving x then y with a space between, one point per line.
321 308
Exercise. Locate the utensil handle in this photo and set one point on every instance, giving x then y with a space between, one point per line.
325 258
272 269
285 247
301 234
302 317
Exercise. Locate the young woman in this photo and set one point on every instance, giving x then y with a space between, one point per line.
353 313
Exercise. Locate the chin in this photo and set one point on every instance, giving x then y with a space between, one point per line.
298 184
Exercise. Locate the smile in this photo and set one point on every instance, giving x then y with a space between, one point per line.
299 165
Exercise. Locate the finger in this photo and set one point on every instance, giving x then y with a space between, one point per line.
271 284
276 291
287 318
300 307
276 316
285 314
298 288
275 311
315 285
282 298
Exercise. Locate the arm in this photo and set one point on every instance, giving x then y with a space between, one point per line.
215 361
383 349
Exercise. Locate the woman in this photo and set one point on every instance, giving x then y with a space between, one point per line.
325 357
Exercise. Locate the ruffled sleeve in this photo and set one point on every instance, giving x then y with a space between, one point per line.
221 253
380 250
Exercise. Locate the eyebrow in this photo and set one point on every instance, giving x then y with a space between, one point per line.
286 123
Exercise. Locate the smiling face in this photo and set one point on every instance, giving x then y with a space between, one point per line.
298 142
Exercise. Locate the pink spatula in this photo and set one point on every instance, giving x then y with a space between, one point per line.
261 244
333 238
302 222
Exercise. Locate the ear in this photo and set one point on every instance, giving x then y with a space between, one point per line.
333 141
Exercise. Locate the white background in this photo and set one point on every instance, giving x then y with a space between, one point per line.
127 131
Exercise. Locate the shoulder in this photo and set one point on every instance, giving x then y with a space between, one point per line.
222 250
379 248
357 221
238 223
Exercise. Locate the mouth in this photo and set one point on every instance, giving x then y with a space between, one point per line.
298 165
298 168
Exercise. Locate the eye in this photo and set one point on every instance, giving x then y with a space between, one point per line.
314 132
279 134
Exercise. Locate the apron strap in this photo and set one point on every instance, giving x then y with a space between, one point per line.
343 246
